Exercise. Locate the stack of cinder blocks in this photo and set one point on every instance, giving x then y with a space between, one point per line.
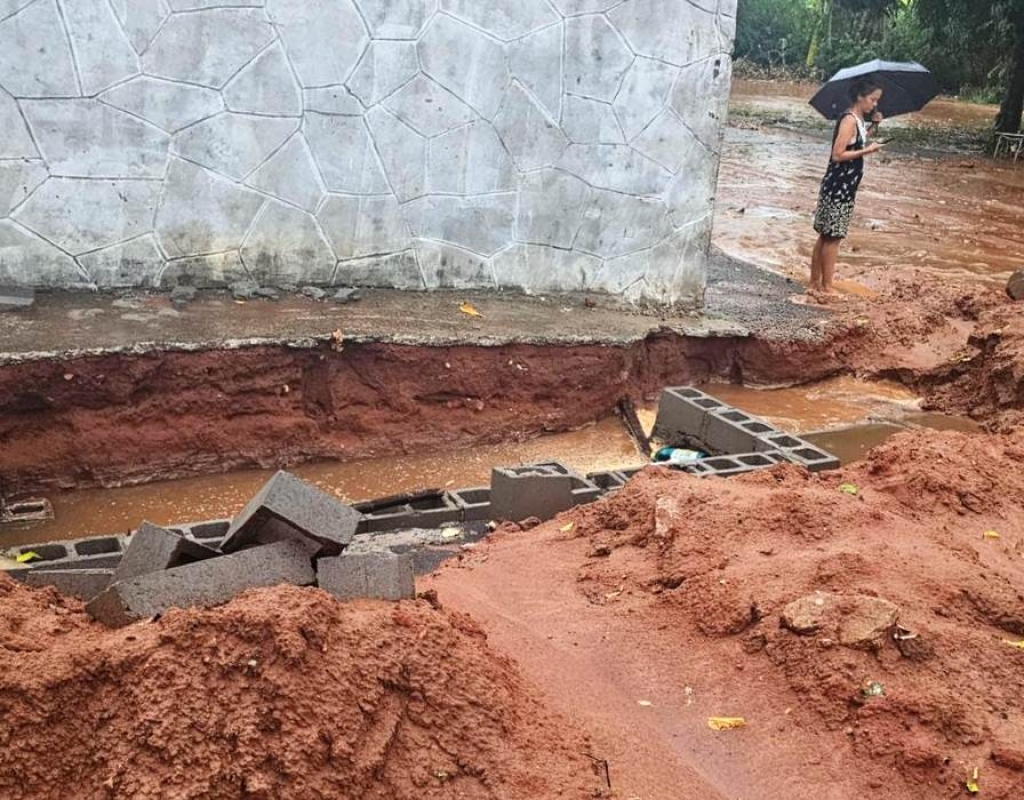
738 441
290 533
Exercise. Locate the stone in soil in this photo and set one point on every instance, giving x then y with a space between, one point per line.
243 290
346 296
183 295
314 292
1015 286
16 298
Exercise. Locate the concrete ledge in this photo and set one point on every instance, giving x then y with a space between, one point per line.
203 584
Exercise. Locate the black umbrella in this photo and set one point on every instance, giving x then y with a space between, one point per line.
906 87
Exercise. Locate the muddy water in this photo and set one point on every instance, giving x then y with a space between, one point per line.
952 216
858 415
602 446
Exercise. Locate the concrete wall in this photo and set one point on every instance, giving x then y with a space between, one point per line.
540 144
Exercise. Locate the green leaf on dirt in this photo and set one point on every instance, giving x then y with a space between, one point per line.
849 488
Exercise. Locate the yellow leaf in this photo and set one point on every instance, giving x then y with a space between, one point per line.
23 558
972 783
991 535
1018 645
469 309
726 723
849 488
567 528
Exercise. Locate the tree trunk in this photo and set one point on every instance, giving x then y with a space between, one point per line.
1011 111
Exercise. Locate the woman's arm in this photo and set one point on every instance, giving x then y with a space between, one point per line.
847 130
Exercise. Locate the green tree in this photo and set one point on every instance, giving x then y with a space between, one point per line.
985 26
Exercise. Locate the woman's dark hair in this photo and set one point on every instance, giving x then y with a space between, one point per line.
862 88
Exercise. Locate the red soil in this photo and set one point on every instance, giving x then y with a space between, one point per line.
283 693
681 583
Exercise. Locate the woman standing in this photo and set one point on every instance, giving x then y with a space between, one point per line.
839 187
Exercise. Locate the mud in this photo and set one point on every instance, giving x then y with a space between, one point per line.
282 693
680 586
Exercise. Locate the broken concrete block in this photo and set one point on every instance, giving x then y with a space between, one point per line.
152 548
431 509
314 292
1014 287
16 298
183 295
204 583
289 508
243 290
379 576
346 296
84 584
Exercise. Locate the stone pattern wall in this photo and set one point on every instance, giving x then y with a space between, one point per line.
547 145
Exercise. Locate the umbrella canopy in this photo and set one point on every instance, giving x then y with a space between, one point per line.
906 87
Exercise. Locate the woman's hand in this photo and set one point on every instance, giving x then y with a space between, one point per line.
873 148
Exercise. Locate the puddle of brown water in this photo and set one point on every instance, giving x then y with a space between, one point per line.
956 217
602 446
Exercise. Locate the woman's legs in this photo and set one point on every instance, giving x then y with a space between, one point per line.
815 285
827 260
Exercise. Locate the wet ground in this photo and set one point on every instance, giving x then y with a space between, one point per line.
955 216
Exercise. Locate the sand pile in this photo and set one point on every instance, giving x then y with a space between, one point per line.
886 595
283 693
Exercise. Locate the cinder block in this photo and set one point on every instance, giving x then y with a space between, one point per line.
209 531
51 551
474 504
539 490
380 576
152 548
84 584
204 583
608 482
728 431
682 411
814 458
428 510
98 546
288 508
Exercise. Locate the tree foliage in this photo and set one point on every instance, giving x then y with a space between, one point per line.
974 46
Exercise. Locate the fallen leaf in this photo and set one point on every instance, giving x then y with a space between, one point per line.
849 488
726 723
451 533
469 309
991 535
1019 645
567 528
644 703
24 558
972 782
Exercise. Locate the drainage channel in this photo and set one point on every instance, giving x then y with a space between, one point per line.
844 416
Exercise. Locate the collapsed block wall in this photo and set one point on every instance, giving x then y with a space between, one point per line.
546 145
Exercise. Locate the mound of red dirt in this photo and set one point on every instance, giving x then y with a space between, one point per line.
889 596
283 693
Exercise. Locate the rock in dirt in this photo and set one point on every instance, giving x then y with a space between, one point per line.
183 295
1015 286
16 298
346 296
243 290
268 293
313 292
866 622
858 621
806 615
